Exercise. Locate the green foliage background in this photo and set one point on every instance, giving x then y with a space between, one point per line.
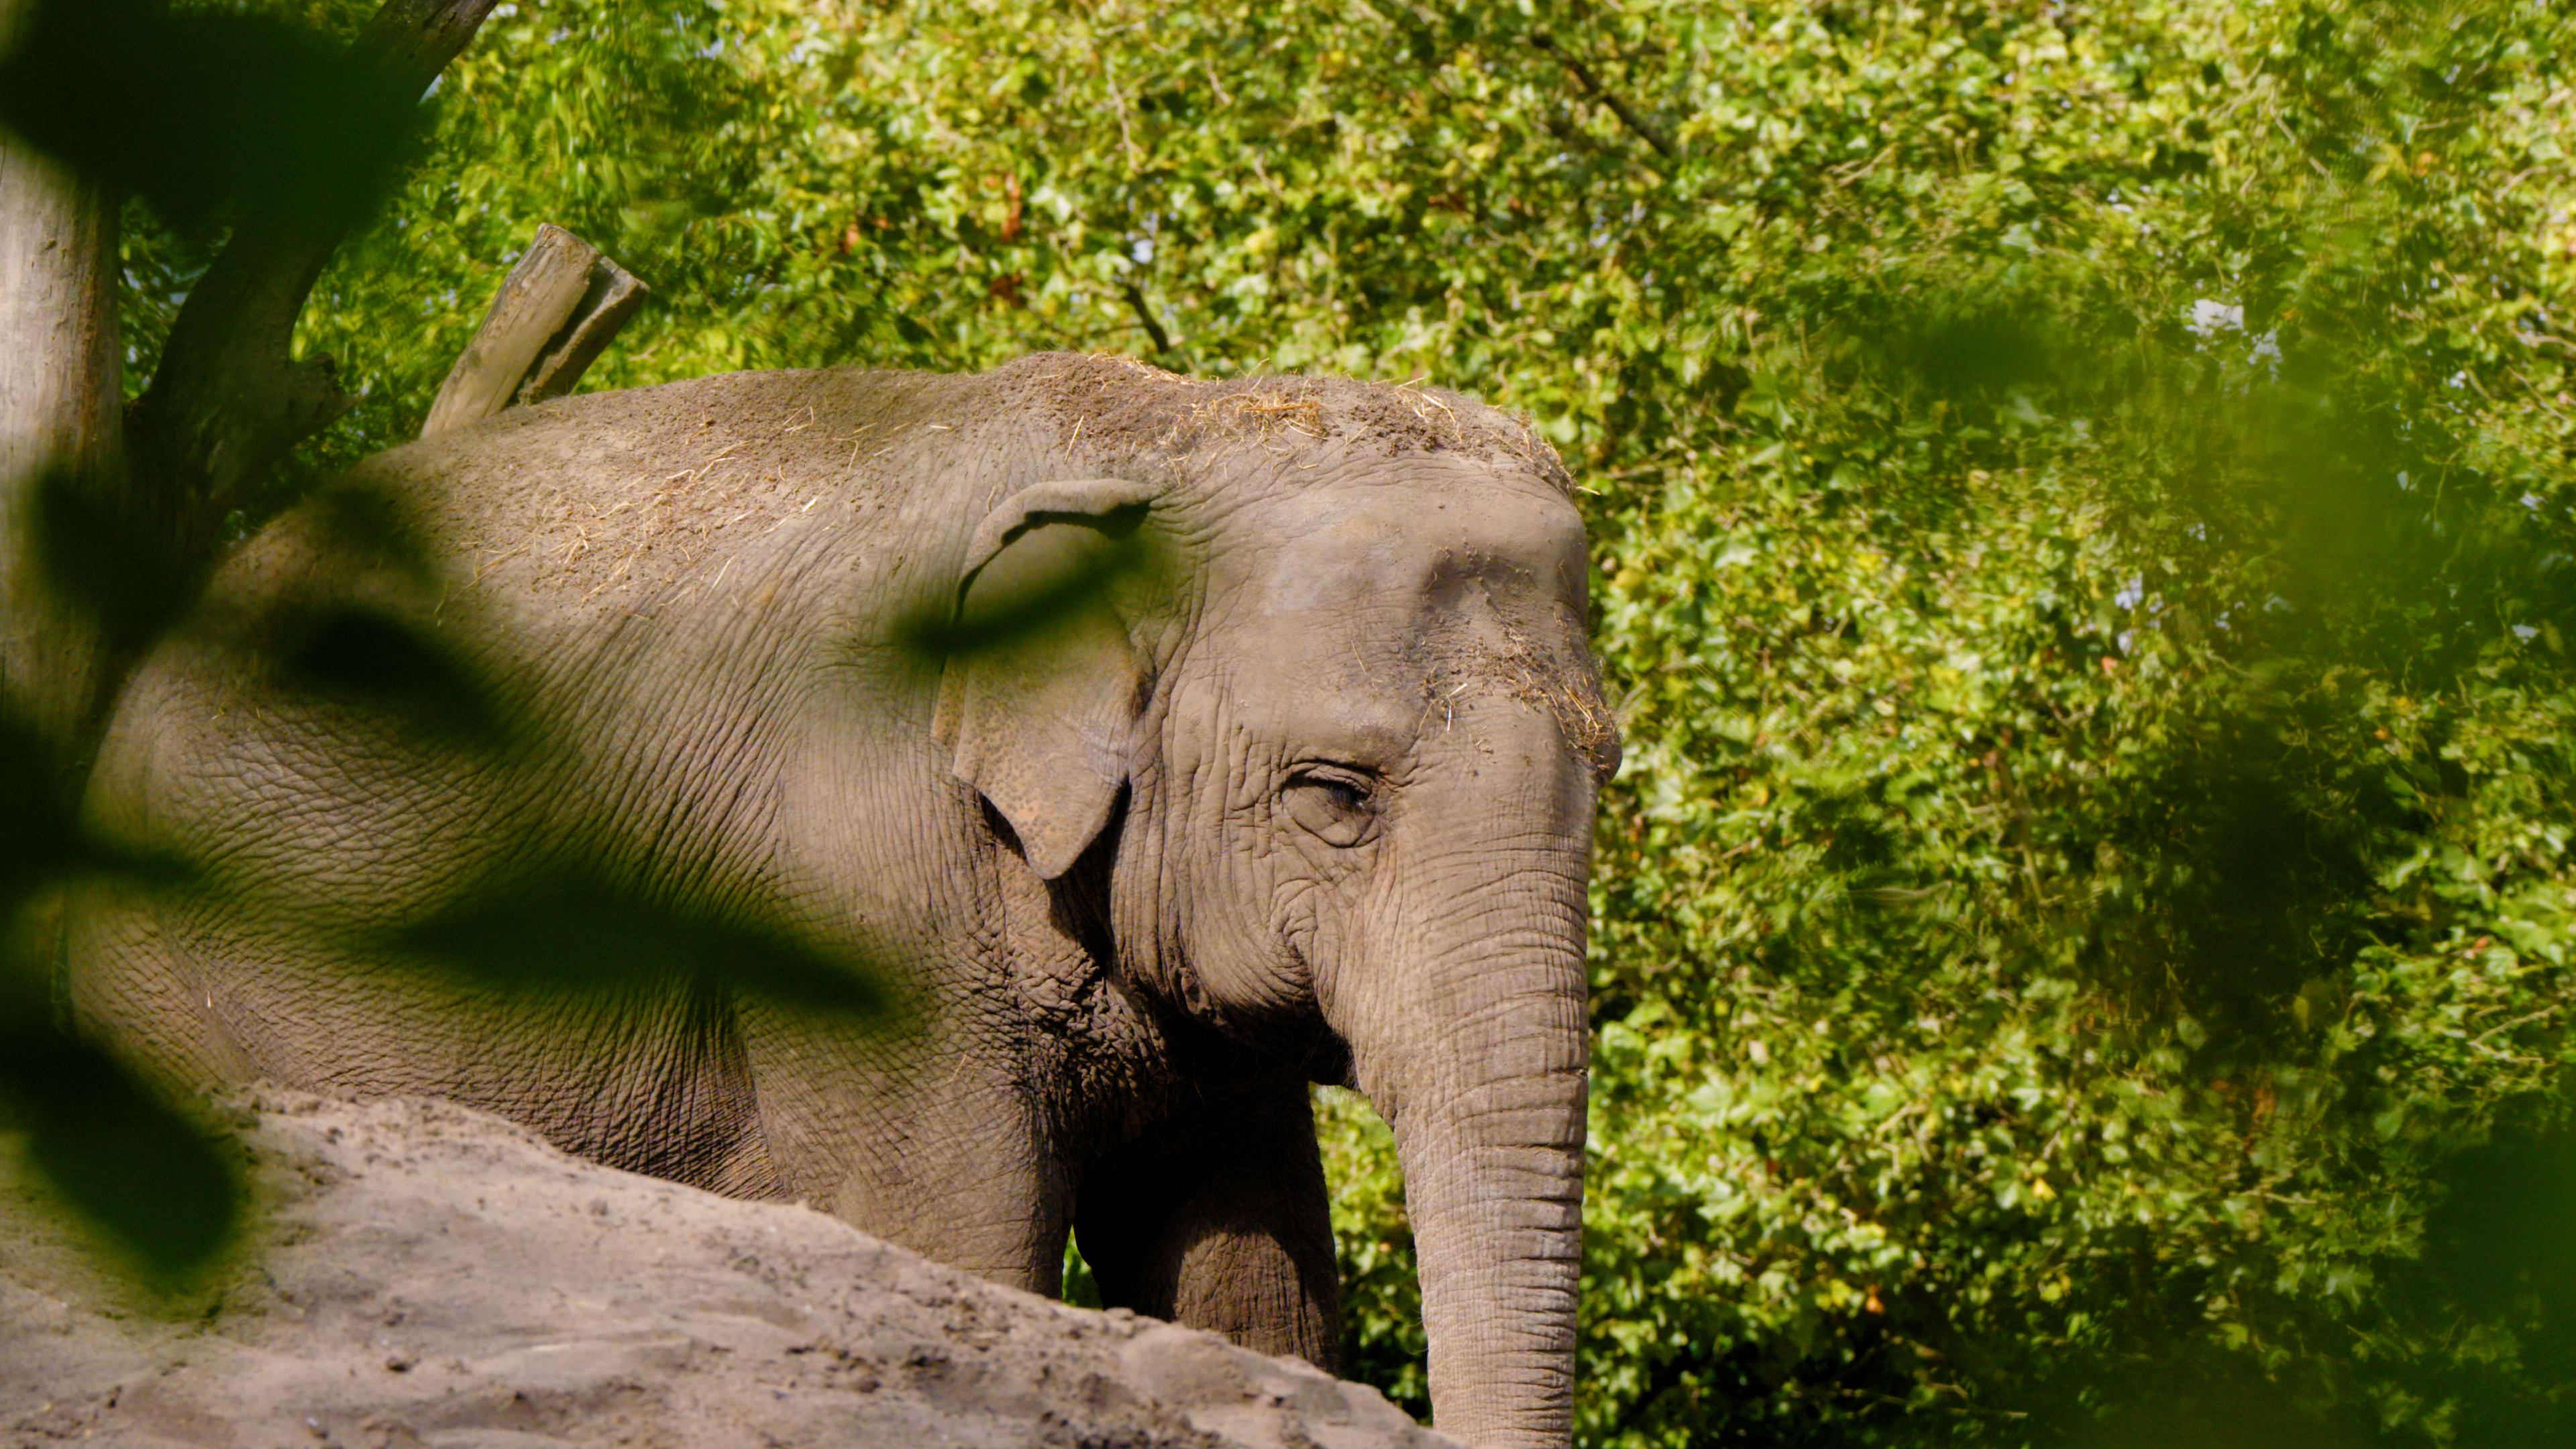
2083 500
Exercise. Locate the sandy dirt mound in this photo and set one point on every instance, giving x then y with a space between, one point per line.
430 1276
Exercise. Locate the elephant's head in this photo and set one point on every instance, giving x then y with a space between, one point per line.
1358 742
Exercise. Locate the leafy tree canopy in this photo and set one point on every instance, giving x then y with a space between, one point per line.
2082 494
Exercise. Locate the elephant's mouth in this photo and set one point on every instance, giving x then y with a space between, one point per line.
1290 1036
1322 1055
1283 1028
1329 1062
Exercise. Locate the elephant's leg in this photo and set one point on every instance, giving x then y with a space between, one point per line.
913 1135
1221 1221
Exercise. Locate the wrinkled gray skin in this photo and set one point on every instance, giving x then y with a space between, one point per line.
1310 801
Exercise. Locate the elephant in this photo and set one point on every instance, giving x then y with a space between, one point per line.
1305 797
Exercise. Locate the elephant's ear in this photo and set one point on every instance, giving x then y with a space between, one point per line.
1043 685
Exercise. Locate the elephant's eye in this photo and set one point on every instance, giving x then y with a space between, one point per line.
1336 806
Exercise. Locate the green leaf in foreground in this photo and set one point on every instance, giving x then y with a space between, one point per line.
582 937
117 568
200 109
156 1185
1032 609
41 840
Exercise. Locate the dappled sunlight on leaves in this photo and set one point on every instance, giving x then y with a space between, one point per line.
2083 497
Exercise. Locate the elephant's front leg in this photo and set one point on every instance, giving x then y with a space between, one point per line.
1220 1220
939 1151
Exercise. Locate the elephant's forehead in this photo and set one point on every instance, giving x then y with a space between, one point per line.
1360 613
1370 549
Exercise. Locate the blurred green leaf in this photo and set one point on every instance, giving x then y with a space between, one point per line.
41 839
1032 607
585 937
198 109
122 571
159 1187
386 663
38 838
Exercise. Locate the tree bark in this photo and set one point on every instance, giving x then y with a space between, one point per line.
60 398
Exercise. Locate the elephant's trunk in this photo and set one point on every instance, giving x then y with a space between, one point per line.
1482 1078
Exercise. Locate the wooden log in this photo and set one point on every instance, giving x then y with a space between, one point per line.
537 301
613 296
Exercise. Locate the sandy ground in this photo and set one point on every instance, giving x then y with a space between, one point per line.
430 1276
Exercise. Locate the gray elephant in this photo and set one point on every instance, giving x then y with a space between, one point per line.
1305 798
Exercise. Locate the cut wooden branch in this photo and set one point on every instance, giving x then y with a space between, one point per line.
558 307
614 296
230 398
1628 115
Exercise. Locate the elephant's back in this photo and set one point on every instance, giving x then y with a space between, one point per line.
558 573
608 498
462 662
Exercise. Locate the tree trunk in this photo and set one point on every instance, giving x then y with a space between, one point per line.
140 496
230 398
60 409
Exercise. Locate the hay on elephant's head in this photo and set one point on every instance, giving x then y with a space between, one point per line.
1118 407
